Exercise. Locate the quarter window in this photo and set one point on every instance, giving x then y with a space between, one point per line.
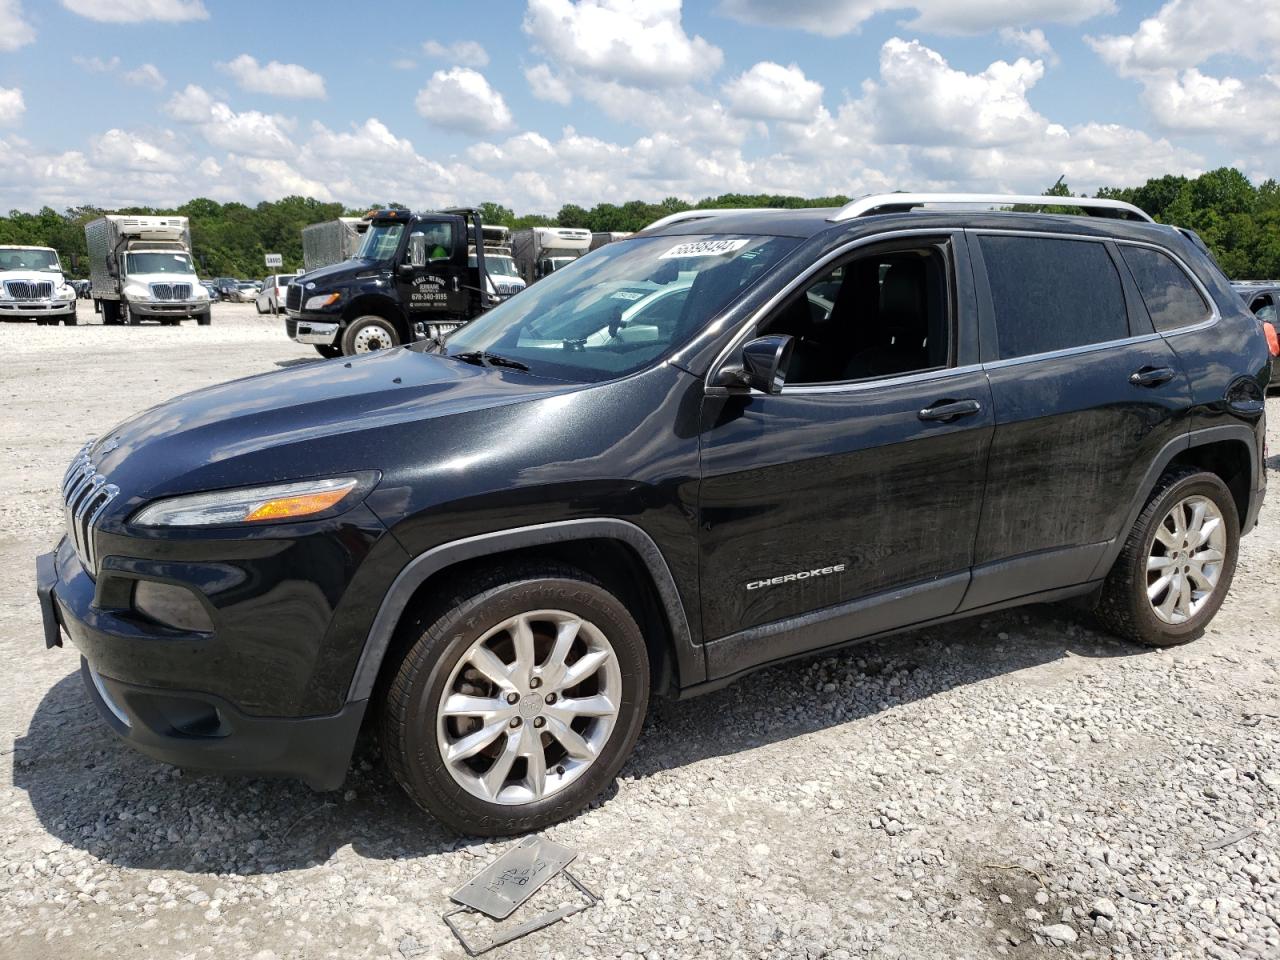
1052 294
1264 308
1170 296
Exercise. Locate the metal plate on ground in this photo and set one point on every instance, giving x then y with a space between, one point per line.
509 881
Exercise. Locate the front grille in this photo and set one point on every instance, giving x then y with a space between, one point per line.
508 289
171 291
85 495
29 289
293 299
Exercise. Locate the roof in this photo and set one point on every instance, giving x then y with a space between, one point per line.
25 246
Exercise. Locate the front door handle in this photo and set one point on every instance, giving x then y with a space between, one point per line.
1151 376
945 411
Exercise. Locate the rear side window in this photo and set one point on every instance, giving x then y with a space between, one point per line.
1052 294
1171 298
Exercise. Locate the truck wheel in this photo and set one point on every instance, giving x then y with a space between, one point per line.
127 316
1177 565
71 319
518 701
368 333
327 350
110 312
204 319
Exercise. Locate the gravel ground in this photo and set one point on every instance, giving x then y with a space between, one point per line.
1021 786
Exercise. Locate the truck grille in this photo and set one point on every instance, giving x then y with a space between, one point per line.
85 495
29 289
508 289
171 291
293 299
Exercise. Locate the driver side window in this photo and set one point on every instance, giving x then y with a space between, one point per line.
878 314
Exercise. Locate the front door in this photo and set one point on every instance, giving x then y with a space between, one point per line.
435 290
848 503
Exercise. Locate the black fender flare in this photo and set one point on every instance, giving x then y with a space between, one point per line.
1180 444
690 659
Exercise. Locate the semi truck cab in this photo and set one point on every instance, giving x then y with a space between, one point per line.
411 279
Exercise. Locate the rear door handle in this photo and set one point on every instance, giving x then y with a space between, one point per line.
947 410
1151 376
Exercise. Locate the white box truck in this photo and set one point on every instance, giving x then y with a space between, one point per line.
140 269
539 251
504 279
32 286
600 238
331 241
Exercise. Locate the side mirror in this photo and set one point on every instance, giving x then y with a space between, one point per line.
417 250
763 366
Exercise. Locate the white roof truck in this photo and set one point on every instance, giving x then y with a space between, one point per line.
542 250
331 241
32 286
140 269
504 280
600 238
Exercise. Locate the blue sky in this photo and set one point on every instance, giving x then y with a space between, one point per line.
543 102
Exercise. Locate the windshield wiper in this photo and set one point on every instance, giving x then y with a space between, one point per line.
480 358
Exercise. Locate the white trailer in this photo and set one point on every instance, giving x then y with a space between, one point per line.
33 287
331 241
600 238
140 268
539 251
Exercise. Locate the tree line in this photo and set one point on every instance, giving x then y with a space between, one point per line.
1240 222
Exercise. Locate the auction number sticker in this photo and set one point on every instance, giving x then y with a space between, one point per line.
704 248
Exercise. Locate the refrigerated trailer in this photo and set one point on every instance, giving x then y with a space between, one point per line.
539 251
140 268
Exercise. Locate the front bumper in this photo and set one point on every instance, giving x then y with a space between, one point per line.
311 331
187 728
36 309
168 308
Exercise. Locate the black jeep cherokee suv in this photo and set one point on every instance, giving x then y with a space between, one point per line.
737 437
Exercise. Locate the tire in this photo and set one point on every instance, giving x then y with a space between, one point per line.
258 306
327 350
1125 606
204 319
110 312
414 736
367 333
71 319
127 316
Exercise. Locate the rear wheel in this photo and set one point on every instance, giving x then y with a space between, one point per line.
110 312
368 333
1178 563
517 702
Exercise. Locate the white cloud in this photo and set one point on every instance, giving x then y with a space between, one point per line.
835 18
12 106
147 75
770 91
1033 41
461 99
1243 110
250 132
276 78
97 64
371 141
466 53
545 85
138 11
1184 33
639 42
120 150
17 32
404 63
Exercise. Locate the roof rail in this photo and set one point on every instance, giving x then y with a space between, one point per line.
684 215
902 202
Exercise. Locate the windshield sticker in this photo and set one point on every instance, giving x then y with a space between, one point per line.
626 295
704 248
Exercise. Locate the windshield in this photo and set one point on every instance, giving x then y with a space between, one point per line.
29 260
622 307
158 263
500 266
381 241
285 279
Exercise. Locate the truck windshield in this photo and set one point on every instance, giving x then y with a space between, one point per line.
381 241
29 260
158 262
500 266
622 307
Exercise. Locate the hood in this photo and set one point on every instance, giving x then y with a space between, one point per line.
34 276
323 277
317 419
149 278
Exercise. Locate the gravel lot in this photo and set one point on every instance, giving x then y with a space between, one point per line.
1019 786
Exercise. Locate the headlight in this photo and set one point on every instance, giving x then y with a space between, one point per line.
136 291
322 301
198 292
281 501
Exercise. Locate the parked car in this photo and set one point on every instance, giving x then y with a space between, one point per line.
214 292
272 294
82 288
244 291
729 440
1262 297
226 286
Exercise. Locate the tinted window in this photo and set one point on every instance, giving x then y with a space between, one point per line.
1264 308
1053 294
1170 296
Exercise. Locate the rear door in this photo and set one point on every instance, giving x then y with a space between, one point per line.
1086 395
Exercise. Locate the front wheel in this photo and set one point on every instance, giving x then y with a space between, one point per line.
1176 567
367 334
517 701
205 318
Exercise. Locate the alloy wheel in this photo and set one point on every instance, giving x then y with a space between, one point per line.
529 707
1186 557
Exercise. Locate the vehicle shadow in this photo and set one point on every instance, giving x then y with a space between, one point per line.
92 792
298 361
